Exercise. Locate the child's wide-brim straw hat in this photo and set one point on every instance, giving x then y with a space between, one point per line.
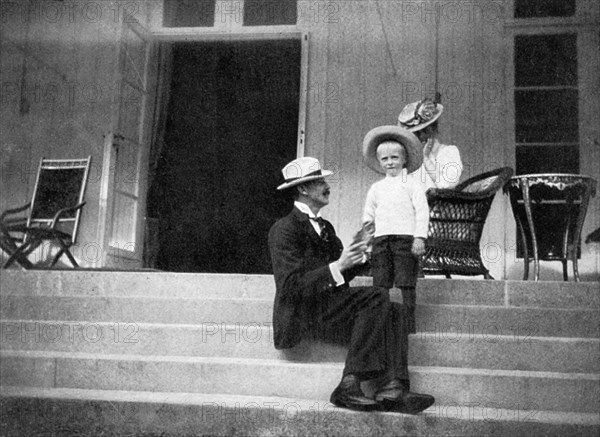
376 136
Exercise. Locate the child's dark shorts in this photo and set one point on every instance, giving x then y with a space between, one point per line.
392 263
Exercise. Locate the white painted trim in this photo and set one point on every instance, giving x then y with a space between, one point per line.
105 202
183 34
558 22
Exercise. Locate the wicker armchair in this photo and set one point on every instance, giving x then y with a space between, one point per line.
456 219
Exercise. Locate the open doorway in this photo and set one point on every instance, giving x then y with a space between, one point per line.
232 124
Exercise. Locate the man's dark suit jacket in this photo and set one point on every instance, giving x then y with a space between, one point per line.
301 261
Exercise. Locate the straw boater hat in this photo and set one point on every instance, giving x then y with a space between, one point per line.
418 115
412 145
302 170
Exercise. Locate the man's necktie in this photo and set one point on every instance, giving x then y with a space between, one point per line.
325 235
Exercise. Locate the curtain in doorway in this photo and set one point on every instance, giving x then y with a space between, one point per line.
161 105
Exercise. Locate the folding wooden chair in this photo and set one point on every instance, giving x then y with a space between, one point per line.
54 213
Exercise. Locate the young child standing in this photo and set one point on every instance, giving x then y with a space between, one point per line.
396 207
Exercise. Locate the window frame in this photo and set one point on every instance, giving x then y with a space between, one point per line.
512 98
584 24
223 26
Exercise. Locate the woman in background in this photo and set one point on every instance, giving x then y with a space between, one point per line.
442 165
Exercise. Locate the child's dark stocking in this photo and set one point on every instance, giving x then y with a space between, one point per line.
409 299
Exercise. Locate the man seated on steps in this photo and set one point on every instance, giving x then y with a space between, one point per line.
313 299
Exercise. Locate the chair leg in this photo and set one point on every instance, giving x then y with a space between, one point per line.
15 256
57 257
20 256
20 259
525 264
525 250
64 249
575 266
68 253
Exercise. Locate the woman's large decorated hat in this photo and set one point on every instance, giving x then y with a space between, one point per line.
418 115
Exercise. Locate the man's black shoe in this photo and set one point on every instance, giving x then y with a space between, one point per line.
392 389
349 395
393 396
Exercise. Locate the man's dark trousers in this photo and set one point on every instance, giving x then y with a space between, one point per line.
373 328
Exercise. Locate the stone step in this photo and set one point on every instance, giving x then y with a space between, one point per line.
26 411
502 346
447 320
137 309
520 322
165 285
504 389
584 295
445 349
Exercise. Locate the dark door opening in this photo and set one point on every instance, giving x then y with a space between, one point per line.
232 125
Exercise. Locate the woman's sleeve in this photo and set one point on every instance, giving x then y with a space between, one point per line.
450 165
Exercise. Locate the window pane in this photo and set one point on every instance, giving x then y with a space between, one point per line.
544 8
547 159
189 13
269 12
549 116
546 60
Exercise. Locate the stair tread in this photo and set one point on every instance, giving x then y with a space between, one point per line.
279 363
268 327
267 402
46 294
541 294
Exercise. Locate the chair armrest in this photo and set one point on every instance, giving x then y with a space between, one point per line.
14 211
449 193
461 192
60 212
10 227
4 234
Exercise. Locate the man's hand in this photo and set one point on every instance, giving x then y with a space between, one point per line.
369 227
352 255
418 247
365 234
